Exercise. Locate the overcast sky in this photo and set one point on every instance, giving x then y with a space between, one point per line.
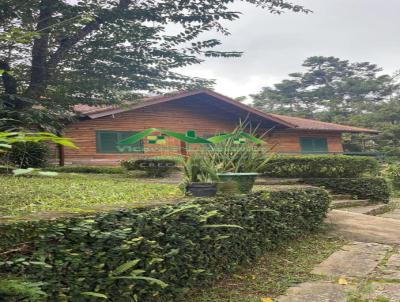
275 45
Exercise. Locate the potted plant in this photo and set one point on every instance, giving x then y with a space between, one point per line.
238 157
200 177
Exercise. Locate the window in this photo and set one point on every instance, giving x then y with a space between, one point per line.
107 142
313 145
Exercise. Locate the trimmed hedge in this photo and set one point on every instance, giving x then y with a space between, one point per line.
324 166
155 254
153 166
372 188
87 169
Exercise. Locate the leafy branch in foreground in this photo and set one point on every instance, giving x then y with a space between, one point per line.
55 53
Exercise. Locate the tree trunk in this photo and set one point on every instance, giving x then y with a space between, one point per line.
40 49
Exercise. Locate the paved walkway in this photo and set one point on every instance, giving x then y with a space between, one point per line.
368 267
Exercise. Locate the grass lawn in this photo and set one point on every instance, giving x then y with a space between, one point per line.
74 192
273 274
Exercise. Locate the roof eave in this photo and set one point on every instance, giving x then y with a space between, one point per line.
369 131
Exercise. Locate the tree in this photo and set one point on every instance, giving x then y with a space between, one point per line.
329 88
336 90
56 53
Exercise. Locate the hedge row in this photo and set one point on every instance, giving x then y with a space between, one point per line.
327 166
153 167
154 254
372 188
87 169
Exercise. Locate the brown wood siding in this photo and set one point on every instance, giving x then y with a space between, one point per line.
177 116
289 140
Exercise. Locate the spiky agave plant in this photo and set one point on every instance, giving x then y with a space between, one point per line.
198 169
226 155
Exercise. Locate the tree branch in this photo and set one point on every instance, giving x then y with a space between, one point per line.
70 42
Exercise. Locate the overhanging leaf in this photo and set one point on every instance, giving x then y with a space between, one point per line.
148 279
222 226
126 266
93 294
17 172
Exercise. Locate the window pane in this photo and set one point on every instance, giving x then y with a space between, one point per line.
313 145
107 142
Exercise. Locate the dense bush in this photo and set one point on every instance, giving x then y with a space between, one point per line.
87 169
327 166
153 166
372 188
28 155
392 171
155 254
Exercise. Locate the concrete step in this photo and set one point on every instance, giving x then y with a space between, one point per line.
347 203
372 209
267 181
341 196
364 228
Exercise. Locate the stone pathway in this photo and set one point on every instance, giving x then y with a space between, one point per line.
395 214
367 268
364 270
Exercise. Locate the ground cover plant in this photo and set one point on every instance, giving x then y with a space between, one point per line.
87 169
269 277
74 192
154 254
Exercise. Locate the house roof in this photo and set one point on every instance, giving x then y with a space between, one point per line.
94 112
302 123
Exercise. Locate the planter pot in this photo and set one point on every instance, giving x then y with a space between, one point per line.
244 181
198 189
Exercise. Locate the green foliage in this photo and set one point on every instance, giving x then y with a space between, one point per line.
77 193
392 171
199 169
26 150
324 166
87 169
105 51
339 91
8 138
329 85
28 155
33 171
226 155
154 167
156 254
14 290
273 266
372 188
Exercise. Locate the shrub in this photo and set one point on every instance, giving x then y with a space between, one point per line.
28 155
87 169
155 254
325 166
392 171
154 167
372 188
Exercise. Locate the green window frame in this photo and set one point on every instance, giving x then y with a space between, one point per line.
107 142
314 145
